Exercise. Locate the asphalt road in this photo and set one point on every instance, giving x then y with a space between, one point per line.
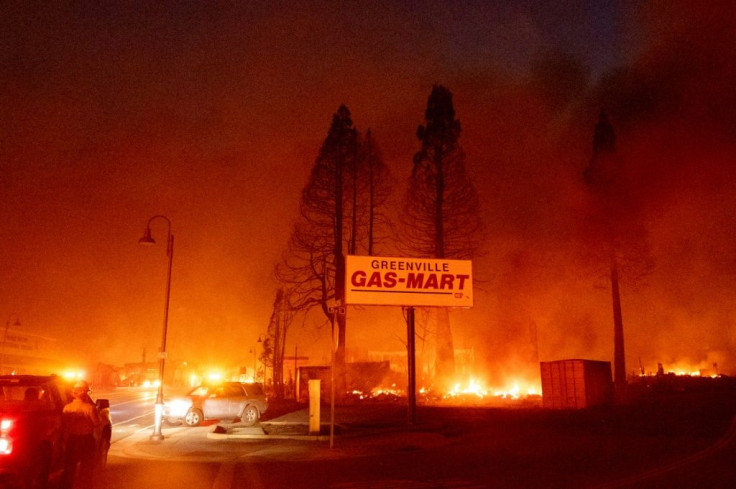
678 441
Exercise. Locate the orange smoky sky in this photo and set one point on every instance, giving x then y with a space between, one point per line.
212 113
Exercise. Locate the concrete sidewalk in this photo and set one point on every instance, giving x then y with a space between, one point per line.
357 432
290 426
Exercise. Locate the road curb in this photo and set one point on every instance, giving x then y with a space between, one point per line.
221 432
245 436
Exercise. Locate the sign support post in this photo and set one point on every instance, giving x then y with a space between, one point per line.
409 283
410 356
334 343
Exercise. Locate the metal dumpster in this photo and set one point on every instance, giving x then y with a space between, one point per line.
576 384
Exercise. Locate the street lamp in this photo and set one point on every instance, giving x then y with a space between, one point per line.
5 341
159 406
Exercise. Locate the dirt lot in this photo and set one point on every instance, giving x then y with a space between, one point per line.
658 438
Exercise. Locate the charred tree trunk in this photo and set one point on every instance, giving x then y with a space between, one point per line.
445 353
339 279
277 363
371 199
619 357
439 231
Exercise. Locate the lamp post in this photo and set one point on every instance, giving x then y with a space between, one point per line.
5 341
159 406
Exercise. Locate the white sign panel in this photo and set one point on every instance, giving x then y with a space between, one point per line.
392 281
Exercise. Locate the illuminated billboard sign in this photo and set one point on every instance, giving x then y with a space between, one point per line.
390 281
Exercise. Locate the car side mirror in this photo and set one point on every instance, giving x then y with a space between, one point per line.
102 404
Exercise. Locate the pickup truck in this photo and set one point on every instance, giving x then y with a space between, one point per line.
32 432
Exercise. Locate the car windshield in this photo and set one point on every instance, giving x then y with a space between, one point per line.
202 390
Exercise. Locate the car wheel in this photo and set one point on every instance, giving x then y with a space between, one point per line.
194 417
249 416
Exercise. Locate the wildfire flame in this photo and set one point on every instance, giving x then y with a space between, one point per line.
472 391
682 369
514 389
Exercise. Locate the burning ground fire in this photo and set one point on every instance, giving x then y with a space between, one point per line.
476 389
514 390
683 370
471 391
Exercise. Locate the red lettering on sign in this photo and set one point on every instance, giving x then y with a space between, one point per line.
375 280
446 281
358 279
414 280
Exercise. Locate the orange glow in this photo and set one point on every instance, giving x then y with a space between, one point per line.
387 391
684 369
472 387
214 376
512 389
72 375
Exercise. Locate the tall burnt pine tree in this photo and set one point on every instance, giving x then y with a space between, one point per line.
278 326
338 216
619 240
440 217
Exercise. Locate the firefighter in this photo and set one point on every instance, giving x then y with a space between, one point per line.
81 422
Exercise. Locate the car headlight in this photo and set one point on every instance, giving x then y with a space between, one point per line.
177 408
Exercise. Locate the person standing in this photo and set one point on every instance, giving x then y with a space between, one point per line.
81 420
